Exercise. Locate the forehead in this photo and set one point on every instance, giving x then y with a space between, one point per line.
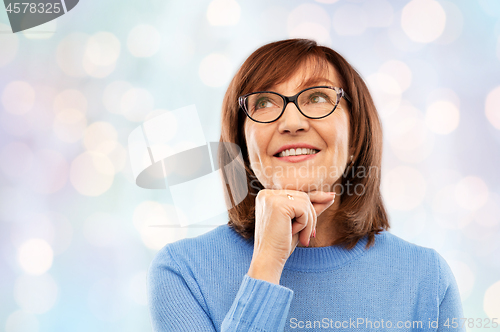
310 73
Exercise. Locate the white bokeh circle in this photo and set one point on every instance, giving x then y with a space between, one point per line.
70 99
378 13
71 53
311 30
103 49
309 21
100 137
158 224
423 21
215 70
399 71
386 92
22 321
223 12
471 193
442 117
349 20
69 125
446 210
112 95
491 304
92 173
18 97
136 103
404 188
464 276
406 128
454 23
143 41
492 108
35 256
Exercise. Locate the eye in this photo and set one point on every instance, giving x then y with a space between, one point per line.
318 98
264 103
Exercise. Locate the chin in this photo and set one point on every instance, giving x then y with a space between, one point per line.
304 185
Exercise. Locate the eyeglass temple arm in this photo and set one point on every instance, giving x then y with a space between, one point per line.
346 96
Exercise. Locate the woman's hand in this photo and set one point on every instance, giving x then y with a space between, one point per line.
276 236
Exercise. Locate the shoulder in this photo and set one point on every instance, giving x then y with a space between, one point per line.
389 241
447 281
406 254
417 258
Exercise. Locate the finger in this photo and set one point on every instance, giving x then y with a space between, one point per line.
298 209
304 221
299 222
306 233
314 220
320 196
305 230
295 241
321 200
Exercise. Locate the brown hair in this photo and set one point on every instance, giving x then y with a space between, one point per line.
357 215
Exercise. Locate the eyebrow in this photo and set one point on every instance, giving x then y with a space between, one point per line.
315 80
312 81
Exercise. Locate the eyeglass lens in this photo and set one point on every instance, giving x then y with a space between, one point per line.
314 103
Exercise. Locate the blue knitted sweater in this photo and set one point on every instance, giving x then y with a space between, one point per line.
200 284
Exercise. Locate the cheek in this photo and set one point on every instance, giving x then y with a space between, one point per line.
343 137
342 132
252 143
336 133
257 141
338 142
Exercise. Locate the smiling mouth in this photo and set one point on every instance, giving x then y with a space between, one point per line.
279 155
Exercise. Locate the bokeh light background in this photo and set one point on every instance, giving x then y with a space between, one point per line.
76 235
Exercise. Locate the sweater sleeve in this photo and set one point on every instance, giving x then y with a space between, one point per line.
450 306
178 305
259 306
173 305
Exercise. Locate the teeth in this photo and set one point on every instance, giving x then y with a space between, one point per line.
297 152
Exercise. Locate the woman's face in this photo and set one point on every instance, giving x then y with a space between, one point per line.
329 135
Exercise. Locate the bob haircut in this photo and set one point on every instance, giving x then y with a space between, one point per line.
359 214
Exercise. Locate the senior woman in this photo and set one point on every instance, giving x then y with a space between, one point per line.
308 247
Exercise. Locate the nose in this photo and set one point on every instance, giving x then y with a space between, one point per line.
292 120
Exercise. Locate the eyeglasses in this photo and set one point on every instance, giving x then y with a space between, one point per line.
316 102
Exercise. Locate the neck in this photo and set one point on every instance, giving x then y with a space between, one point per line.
325 227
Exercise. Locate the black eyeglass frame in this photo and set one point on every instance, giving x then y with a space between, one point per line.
293 99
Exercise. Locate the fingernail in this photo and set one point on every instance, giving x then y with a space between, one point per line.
332 193
314 233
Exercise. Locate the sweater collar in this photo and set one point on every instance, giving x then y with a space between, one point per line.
324 258
318 258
